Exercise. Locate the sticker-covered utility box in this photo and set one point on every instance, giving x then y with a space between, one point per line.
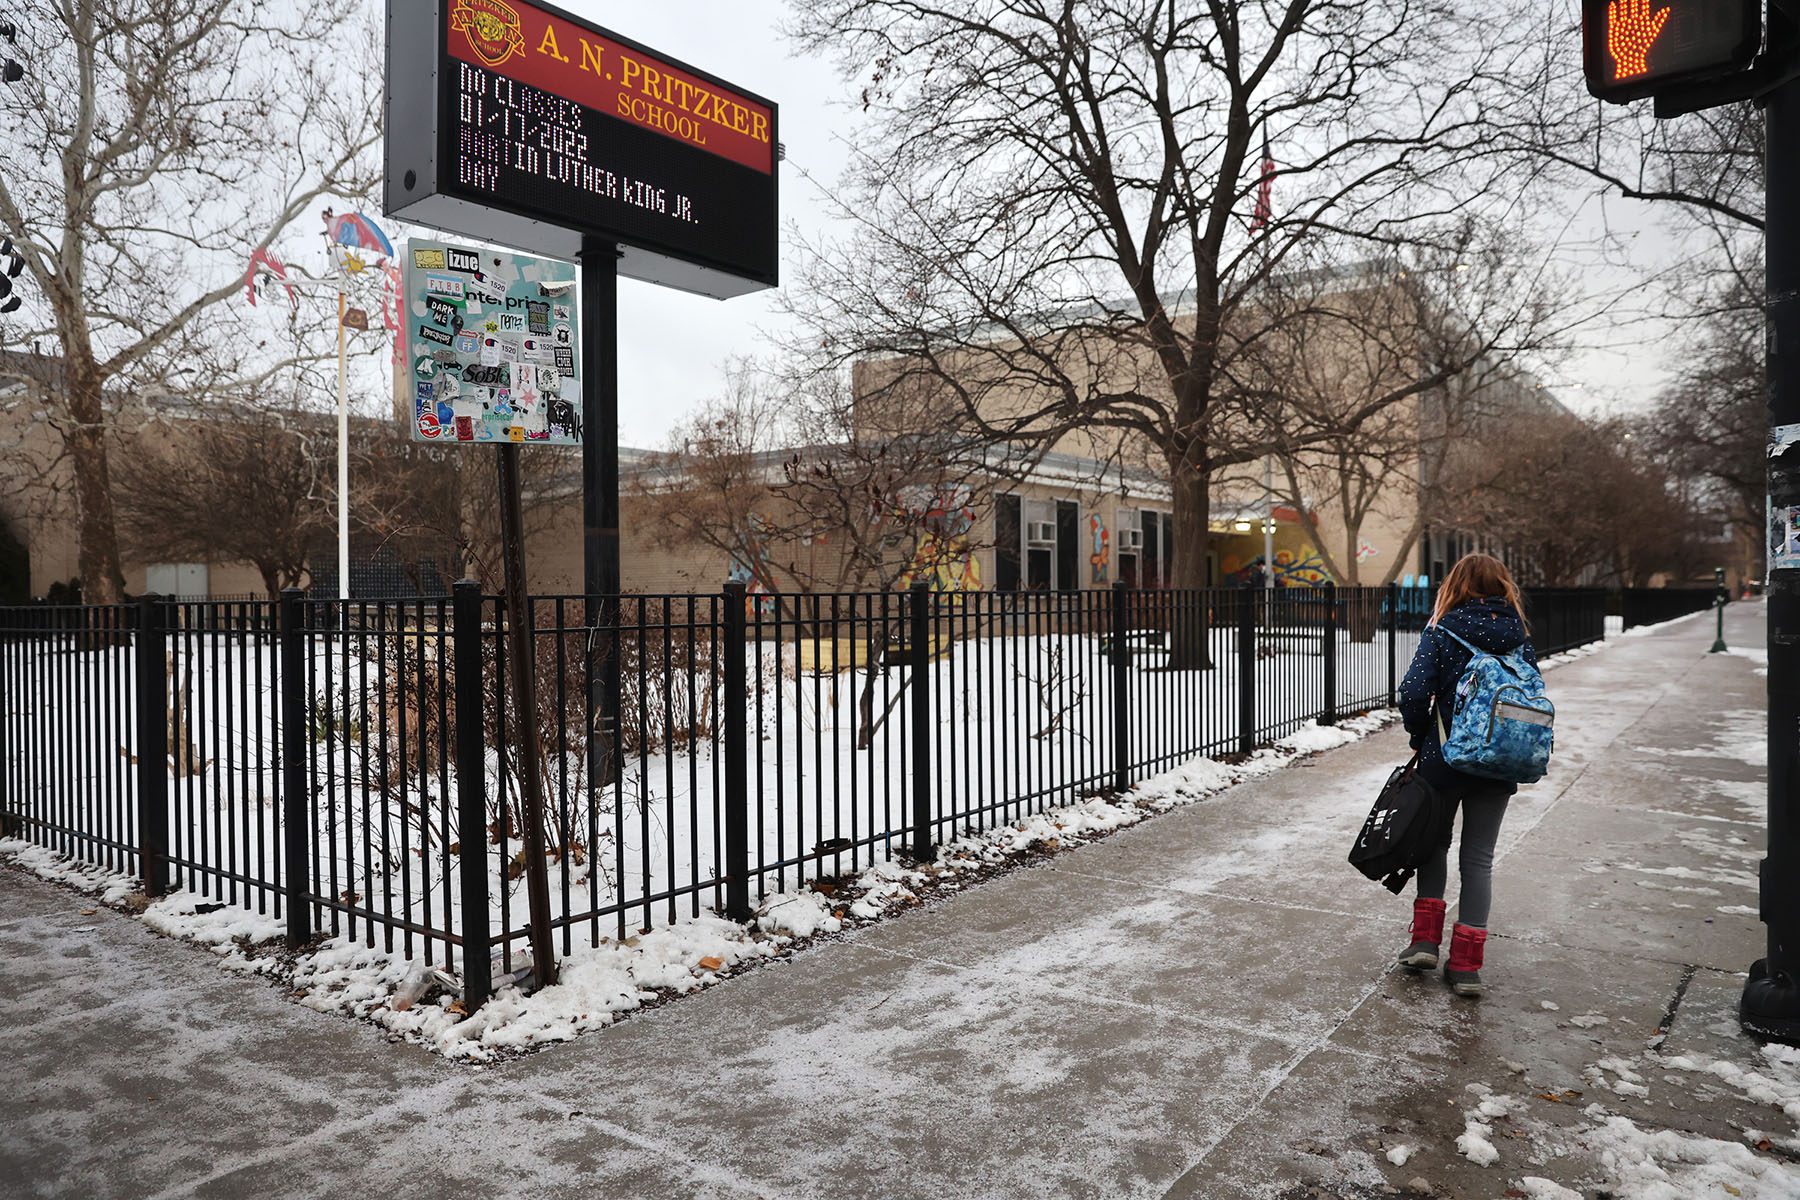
492 344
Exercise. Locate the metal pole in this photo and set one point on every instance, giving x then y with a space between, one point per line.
525 714
919 635
1770 1006
737 755
471 793
1121 683
296 806
1268 523
343 461
600 568
1718 646
151 666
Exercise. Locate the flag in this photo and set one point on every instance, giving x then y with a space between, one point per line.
1264 188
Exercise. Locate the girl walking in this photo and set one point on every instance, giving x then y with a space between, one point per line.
1478 603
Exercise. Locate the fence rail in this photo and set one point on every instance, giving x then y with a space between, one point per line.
353 767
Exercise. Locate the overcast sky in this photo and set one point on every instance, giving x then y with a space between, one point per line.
673 346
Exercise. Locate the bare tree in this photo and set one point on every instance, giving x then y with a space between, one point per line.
1573 500
153 148
1059 234
785 474
1710 423
256 488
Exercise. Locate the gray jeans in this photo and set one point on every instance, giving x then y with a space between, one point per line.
1483 808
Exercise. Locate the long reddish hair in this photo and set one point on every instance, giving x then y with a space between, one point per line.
1474 577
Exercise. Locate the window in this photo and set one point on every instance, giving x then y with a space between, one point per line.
1007 535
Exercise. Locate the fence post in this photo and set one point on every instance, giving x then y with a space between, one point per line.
737 759
1121 686
471 791
296 823
1246 670
919 615
1393 632
1328 647
153 745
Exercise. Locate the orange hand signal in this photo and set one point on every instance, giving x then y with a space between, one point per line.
1631 29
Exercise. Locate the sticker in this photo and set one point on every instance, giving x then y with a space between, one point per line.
515 433
425 368
562 422
565 360
428 425
425 394
466 261
465 429
537 316
447 313
1781 437
562 313
537 350
563 336
438 285
490 351
555 287
492 376
467 342
434 335
448 358
487 289
428 260
1784 537
513 322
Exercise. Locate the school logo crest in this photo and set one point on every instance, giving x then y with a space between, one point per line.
492 27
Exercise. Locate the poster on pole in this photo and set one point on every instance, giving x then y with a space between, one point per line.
492 343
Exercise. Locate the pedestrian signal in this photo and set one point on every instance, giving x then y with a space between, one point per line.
1634 48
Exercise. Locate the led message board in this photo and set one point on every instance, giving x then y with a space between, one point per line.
1631 48
492 342
519 124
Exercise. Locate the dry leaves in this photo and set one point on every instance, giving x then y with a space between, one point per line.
712 962
1569 1096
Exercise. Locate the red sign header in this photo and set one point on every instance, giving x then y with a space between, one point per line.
582 65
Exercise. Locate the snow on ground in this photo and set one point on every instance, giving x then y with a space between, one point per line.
598 984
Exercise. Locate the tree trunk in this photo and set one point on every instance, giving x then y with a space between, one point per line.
1189 476
102 579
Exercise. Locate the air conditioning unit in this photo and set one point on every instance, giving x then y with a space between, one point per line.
1131 539
1041 533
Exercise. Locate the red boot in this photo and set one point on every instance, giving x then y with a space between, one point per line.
1427 933
1463 971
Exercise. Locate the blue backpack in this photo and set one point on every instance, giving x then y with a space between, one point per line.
1502 727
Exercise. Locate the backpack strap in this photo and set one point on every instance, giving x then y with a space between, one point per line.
1471 647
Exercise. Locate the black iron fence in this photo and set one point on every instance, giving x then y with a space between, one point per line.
352 767
1647 606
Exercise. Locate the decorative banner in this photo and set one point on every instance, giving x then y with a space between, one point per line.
492 339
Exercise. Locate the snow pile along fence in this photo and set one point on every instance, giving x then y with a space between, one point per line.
353 767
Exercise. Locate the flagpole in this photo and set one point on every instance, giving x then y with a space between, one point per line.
343 459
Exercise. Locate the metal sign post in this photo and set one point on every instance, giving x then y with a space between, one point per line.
1771 1002
523 656
600 566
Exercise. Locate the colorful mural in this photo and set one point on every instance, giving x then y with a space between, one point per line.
1100 555
1304 569
943 557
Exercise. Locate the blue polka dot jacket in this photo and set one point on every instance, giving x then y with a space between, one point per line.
1438 664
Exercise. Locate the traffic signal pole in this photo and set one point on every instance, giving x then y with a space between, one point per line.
1770 1006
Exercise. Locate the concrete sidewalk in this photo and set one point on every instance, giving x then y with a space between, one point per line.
1201 1005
